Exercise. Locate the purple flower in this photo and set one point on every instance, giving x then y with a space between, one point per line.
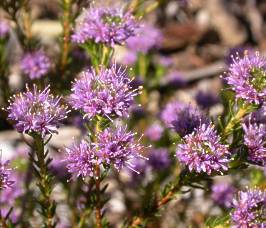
82 159
5 175
59 166
9 195
14 216
108 93
249 209
105 25
254 139
147 38
206 99
183 118
35 64
222 194
259 116
36 111
118 147
235 52
247 76
130 58
203 152
159 159
154 132
4 29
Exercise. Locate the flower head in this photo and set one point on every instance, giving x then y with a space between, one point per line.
36 111
154 132
108 93
118 147
222 194
238 51
5 175
147 38
183 118
9 195
159 159
203 152
35 64
249 209
206 99
254 139
105 25
247 76
4 29
81 159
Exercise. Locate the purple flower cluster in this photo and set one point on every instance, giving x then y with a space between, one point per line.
259 116
35 64
206 99
235 52
222 194
108 93
183 118
203 152
5 175
159 159
36 111
147 38
118 147
82 159
254 139
105 25
9 196
114 147
249 209
4 29
247 76
154 132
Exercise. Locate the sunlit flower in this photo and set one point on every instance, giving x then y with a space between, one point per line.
203 152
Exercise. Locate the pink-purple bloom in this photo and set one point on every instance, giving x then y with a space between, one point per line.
247 76
183 118
202 151
159 159
254 139
4 29
223 194
118 147
107 93
154 132
35 64
5 175
9 196
81 159
36 111
206 99
147 37
249 209
105 25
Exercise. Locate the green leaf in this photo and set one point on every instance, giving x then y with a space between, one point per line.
218 221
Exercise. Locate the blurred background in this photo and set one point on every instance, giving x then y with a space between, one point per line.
183 49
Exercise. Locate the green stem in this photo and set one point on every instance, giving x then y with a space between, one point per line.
66 25
98 215
242 111
44 182
4 82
